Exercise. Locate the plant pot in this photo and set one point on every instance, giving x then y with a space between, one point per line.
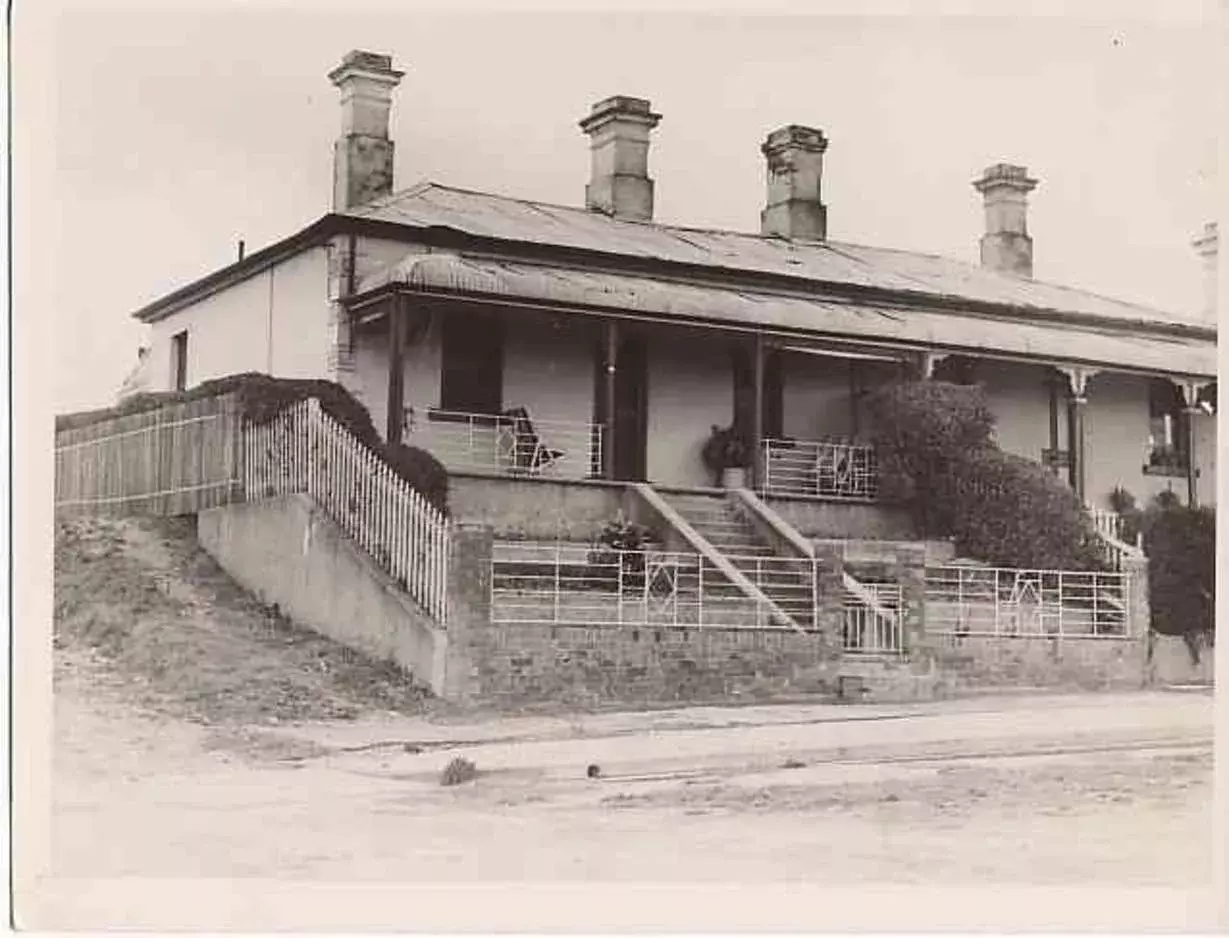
734 478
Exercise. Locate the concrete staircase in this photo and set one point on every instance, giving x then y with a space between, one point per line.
787 581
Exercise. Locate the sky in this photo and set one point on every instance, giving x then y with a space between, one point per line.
169 132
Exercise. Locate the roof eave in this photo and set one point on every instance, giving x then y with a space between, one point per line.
448 237
318 232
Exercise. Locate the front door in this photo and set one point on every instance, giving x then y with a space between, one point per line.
631 410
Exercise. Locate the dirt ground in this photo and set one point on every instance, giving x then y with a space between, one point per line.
333 773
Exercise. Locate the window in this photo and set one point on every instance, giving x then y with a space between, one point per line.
471 380
1168 439
179 360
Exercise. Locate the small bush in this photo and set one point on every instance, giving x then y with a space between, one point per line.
937 455
1181 546
423 471
1122 503
459 771
1009 511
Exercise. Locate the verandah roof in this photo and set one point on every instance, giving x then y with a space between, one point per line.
815 316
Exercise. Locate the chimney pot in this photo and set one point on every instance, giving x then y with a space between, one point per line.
795 162
1006 245
363 154
619 182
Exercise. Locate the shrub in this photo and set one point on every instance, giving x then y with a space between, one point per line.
1010 511
459 771
1123 504
1181 546
422 470
937 455
262 397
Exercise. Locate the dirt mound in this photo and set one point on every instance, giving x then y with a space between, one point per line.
186 640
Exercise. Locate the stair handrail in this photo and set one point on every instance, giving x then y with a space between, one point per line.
758 507
702 546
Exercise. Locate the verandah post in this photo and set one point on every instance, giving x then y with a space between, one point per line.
1190 400
1077 405
396 369
757 414
608 403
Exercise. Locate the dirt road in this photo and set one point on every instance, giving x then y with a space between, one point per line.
1112 791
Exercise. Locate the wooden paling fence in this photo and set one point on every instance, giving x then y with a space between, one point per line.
178 459
186 457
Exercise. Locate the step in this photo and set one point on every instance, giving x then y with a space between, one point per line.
731 544
727 534
701 502
723 524
715 521
732 538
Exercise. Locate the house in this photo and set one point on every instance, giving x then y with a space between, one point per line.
568 366
621 342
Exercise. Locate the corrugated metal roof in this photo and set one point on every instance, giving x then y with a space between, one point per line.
430 204
665 299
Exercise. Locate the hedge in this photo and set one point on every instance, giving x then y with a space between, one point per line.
937 455
1181 546
261 397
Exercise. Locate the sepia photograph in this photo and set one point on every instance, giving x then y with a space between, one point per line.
615 467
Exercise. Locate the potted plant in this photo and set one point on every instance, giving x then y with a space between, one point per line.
618 550
726 454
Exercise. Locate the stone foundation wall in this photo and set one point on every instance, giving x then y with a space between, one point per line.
637 665
950 665
511 664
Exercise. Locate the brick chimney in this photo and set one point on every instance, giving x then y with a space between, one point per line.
1006 245
1206 247
363 154
619 182
795 156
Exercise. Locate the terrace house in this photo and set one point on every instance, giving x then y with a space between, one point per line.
625 340
552 355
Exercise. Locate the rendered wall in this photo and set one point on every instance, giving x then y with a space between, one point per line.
275 322
815 397
535 509
286 551
691 389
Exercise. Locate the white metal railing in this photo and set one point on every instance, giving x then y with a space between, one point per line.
1106 521
1003 602
827 468
305 450
1109 527
869 632
509 443
578 584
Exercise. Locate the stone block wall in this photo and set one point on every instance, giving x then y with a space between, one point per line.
514 664
940 664
585 665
